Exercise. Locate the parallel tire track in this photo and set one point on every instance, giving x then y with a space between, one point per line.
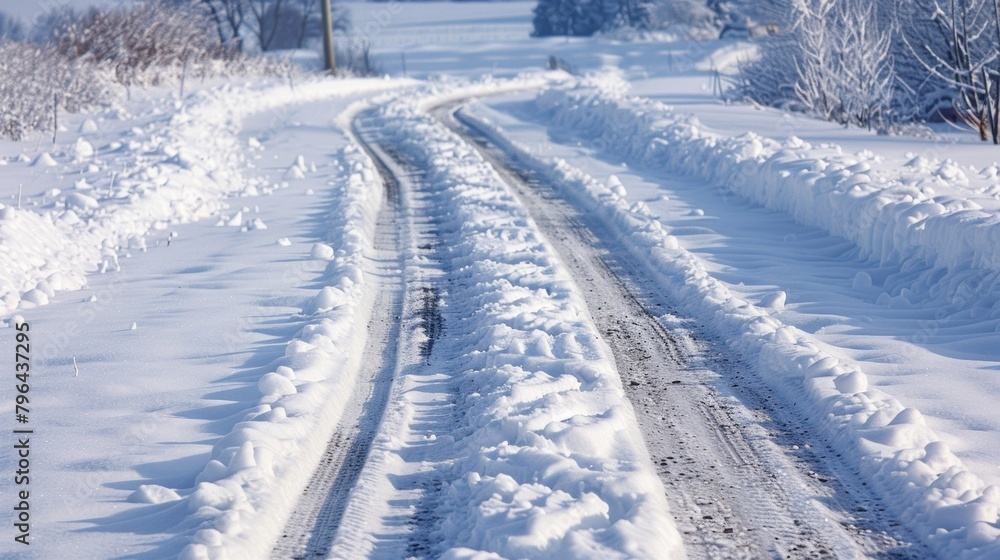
734 493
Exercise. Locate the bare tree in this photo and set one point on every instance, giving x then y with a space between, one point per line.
269 24
265 17
309 24
229 17
967 58
295 22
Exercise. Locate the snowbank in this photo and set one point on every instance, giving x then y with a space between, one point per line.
944 503
248 489
150 178
896 216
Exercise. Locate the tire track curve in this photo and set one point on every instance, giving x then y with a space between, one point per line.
733 490
310 531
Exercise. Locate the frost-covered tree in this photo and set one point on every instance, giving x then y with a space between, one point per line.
865 76
134 38
586 17
834 61
963 53
815 58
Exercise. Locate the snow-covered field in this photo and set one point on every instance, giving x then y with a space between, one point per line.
212 284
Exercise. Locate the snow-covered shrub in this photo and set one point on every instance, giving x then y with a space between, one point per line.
835 62
35 80
586 17
77 60
137 38
692 16
151 42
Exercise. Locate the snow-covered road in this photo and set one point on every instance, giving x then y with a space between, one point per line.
330 319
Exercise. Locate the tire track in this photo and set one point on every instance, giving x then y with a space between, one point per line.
421 400
734 492
310 531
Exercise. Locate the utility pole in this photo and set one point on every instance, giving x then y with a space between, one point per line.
331 60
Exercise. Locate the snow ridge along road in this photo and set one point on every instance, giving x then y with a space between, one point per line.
733 491
510 434
423 393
